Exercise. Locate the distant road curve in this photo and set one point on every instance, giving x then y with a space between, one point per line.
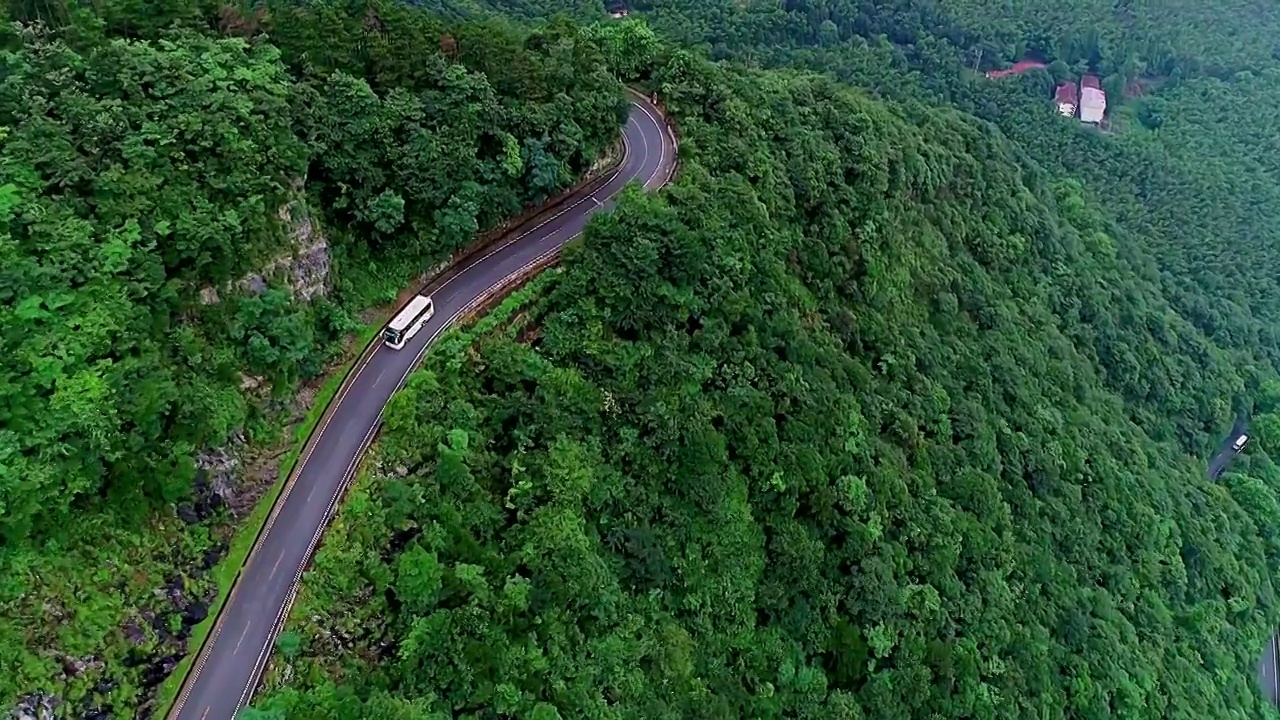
1226 450
226 672
1268 673
1268 666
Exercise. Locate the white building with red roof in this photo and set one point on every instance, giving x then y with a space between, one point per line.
1093 101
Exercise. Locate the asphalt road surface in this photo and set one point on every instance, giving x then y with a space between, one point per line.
1226 452
1268 674
225 674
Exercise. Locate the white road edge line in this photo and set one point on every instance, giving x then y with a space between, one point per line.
264 655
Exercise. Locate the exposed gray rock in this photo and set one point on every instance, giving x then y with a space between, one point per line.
194 613
174 592
188 514
157 671
212 556
303 266
219 468
75 667
310 264
434 272
605 160
55 611
253 283
106 686
134 633
36 706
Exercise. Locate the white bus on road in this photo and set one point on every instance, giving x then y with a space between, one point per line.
408 322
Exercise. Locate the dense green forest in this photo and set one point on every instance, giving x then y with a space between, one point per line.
154 158
1184 178
870 415
890 408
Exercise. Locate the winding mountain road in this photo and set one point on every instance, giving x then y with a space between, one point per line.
1268 665
227 670
1227 450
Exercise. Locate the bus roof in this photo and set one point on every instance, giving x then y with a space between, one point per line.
405 317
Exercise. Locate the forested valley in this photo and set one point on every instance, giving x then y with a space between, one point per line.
896 404
1184 173
885 409
156 164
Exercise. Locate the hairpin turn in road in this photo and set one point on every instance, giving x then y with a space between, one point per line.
230 663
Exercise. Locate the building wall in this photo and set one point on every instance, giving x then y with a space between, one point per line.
1093 105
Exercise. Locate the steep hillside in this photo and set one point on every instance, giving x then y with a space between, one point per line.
837 427
148 358
1180 181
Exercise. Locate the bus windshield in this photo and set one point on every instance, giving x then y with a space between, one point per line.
411 318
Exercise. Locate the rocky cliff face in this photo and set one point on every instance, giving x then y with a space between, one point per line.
307 267
303 266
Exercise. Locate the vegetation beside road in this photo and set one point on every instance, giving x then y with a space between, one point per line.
891 407
146 154
246 533
843 424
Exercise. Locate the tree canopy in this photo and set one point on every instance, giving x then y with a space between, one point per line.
154 164
895 405
137 172
868 416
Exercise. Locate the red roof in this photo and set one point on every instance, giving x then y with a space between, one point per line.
1066 93
1090 81
1017 69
